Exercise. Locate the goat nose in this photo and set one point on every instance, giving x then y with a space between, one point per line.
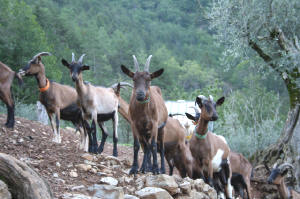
214 117
140 96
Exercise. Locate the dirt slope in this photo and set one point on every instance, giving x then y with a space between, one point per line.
30 142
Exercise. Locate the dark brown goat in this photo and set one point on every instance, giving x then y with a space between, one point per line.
209 150
148 113
59 100
277 177
6 79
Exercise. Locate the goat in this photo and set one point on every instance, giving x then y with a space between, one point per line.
6 79
97 103
177 153
208 149
59 100
240 166
148 113
277 177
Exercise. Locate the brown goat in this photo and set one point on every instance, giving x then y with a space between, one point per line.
239 164
177 153
148 113
209 150
277 177
6 79
59 100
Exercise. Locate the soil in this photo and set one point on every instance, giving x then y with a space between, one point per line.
30 141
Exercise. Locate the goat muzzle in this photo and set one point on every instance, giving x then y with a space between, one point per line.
140 96
22 72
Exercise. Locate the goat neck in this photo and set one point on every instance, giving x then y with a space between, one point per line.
41 77
201 128
80 86
284 192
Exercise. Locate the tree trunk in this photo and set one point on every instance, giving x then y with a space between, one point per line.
22 181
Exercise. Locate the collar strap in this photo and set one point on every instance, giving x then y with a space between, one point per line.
199 136
145 100
46 87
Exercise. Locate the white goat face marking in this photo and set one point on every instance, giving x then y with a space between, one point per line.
217 160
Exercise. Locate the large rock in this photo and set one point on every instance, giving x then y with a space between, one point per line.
130 197
163 181
109 181
107 191
153 193
23 181
4 193
76 196
201 186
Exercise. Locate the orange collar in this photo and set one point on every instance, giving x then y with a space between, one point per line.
46 87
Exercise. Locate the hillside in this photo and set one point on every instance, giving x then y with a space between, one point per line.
70 171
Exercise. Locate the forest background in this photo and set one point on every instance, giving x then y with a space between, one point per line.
175 32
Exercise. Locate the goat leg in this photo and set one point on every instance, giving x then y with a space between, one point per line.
57 118
135 164
115 133
147 156
10 116
88 130
104 136
162 151
94 137
155 169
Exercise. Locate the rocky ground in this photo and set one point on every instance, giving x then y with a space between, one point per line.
74 174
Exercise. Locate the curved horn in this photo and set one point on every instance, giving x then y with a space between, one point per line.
81 58
211 98
73 57
202 97
41 54
284 165
122 84
136 64
147 64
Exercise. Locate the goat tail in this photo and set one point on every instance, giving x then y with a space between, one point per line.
19 78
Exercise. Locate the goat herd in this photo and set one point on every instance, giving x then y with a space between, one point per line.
205 155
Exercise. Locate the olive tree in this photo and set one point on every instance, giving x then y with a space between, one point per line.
266 33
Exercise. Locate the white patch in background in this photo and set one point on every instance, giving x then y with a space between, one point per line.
217 160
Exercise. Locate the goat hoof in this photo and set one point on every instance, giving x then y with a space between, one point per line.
162 171
115 153
155 171
9 125
133 170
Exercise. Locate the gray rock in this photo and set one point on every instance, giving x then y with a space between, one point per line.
4 193
163 181
107 191
185 187
109 181
130 197
76 196
153 193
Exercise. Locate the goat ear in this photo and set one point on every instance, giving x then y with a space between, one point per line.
157 73
220 101
65 63
85 67
127 71
284 172
189 116
199 101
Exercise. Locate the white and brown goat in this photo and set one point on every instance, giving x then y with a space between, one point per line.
148 113
59 100
99 104
209 150
7 76
277 177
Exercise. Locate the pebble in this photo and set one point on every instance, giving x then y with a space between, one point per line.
55 175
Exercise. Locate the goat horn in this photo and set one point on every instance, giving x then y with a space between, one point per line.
73 57
147 64
122 84
41 54
211 98
284 165
136 64
202 97
81 58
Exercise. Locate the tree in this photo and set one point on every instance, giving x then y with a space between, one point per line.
266 32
